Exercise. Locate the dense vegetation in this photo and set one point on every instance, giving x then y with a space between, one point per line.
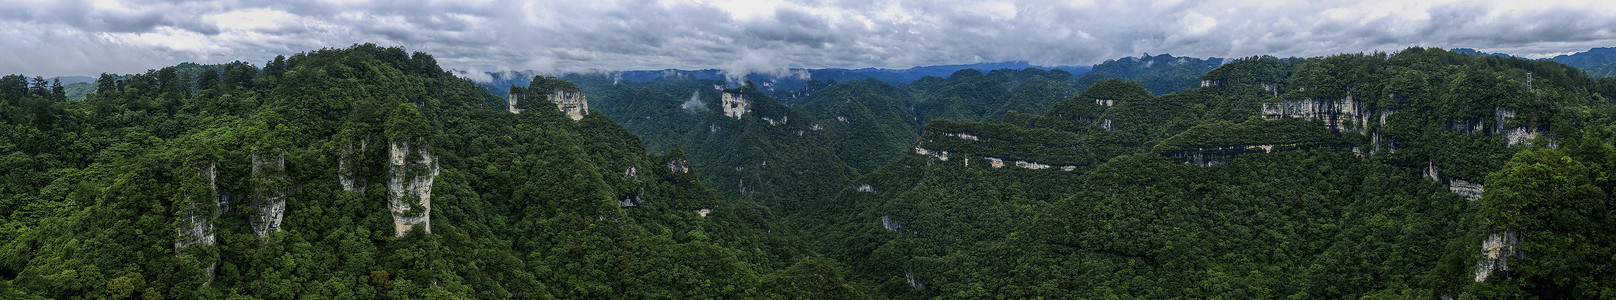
99 195
1418 174
1339 204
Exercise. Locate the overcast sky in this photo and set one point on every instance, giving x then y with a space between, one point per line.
89 37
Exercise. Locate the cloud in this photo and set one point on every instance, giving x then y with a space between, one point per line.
475 75
695 104
82 37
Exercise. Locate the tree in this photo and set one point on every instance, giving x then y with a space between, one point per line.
58 93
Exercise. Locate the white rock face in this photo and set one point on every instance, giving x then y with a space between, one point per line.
573 104
865 187
409 184
273 205
1495 254
1104 102
345 173
1339 114
995 162
1031 165
772 122
704 212
197 225
1106 123
1469 190
939 154
629 201
734 105
964 136
909 275
679 166
511 102
1431 172
890 224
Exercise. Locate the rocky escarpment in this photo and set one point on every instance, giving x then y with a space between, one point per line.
734 105
1461 187
1341 115
347 174
411 170
197 223
574 104
1496 251
564 95
1001 145
269 193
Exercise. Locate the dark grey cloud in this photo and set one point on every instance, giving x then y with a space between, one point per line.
771 36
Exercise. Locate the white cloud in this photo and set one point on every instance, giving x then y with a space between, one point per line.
742 36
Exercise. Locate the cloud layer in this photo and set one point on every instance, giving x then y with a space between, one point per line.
768 36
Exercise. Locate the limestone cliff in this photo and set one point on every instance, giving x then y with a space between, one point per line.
346 173
196 226
573 104
1495 253
270 193
409 184
734 105
564 95
1340 115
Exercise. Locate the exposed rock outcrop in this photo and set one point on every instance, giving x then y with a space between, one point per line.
1469 190
629 201
409 184
704 212
679 165
1496 251
196 226
270 193
909 276
573 104
964 136
510 102
734 105
939 154
346 174
890 224
1341 115
864 187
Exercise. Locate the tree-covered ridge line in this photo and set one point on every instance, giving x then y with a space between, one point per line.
1288 132
1342 206
531 205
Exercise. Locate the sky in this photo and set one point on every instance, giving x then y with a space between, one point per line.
73 37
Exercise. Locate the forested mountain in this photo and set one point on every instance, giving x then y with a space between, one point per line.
1420 174
863 123
364 172
370 172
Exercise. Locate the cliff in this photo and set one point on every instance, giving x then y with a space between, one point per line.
409 184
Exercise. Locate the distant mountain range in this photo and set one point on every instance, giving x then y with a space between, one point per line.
794 80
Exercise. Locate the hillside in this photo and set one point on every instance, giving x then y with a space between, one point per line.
364 172
1419 174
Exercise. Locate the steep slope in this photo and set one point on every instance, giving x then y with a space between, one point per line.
754 147
1161 74
364 172
1342 176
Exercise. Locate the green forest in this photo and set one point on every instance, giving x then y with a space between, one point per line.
371 172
